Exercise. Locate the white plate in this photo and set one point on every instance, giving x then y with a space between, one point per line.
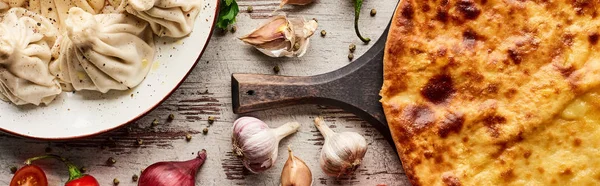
85 113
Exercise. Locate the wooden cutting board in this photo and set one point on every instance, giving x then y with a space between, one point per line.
354 88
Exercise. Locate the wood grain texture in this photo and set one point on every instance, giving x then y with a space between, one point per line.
206 93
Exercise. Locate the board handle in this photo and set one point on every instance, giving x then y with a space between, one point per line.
261 92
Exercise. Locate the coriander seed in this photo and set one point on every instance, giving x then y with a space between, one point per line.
205 131
350 56
296 46
250 9
323 33
116 181
83 169
352 47
276 69
373 12
13 169
188 137
135 177
111 161
233 29
139 141
155 122
171 117
211 120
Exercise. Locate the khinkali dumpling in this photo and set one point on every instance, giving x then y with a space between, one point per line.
172 18
103 52
25 41
57 10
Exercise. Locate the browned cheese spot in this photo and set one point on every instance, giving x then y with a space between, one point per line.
565 71
451 123
508 175
567 39
438 89
515 56
425 8
527 154
492 122
540 169
577 142
566 172
593 38
407 10
450 180
510 93
441 15
468 8
469 38
417 118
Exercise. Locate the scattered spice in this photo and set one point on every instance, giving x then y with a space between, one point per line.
205 131
135 177
350 56
155 122
276 69
373 12
171 117
188 137
39 24
296 46
211 120
111 161
233 29
116 181
139 141
250 9
315 20
352 47
83 169
323 33
13 169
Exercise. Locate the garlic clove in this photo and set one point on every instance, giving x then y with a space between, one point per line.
281 36
295 172
274 29
342 153
294 2
256 144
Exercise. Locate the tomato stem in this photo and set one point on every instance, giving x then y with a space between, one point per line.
74 172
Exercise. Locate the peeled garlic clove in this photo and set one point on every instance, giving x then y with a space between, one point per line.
342 152
295 2
256 144
295 172
281 36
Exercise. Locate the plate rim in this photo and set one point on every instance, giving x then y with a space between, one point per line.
139 116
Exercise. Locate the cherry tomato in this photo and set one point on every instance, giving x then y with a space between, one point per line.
29 175
85 180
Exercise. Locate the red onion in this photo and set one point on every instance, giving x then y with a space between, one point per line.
180 173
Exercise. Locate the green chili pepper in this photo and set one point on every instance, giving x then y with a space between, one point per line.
357 7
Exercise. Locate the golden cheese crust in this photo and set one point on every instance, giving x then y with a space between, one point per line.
495 92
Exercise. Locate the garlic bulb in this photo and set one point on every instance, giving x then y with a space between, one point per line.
295 172
256 144
281 36
342 153
295 2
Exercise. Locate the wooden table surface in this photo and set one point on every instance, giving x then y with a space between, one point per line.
206 92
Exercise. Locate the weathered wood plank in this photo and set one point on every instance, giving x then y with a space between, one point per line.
207 93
